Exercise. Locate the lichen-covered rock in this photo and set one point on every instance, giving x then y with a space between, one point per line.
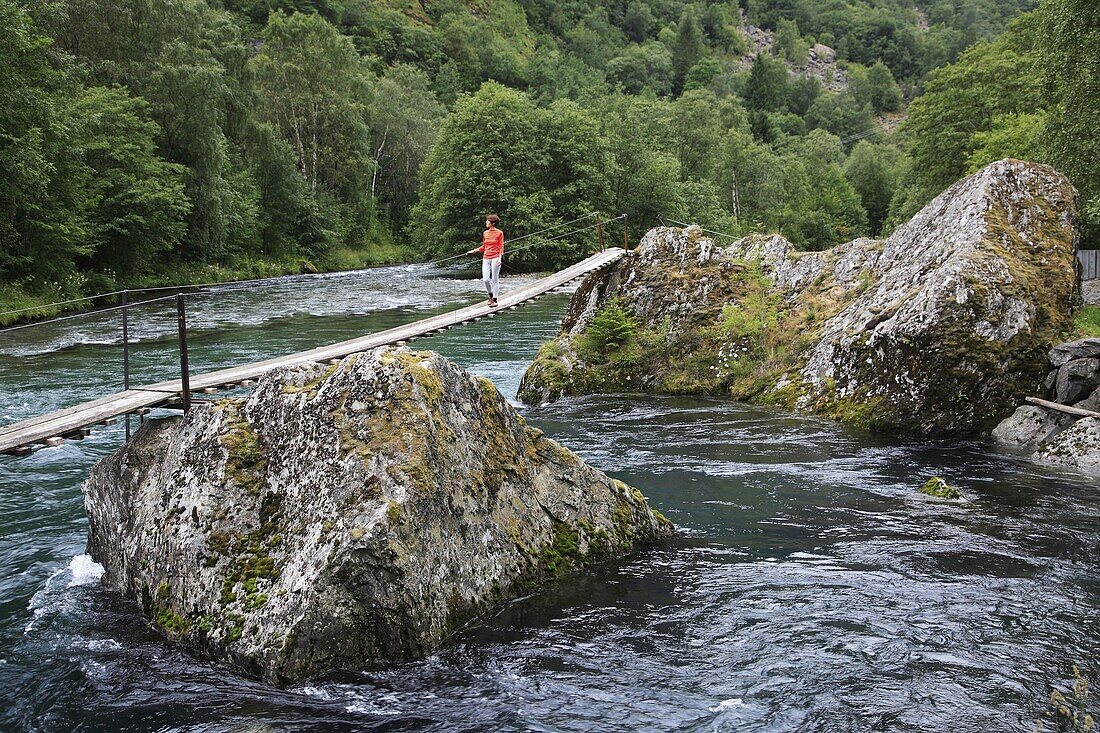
1029 426
940 329
342 516
700 318
1076 447
969 296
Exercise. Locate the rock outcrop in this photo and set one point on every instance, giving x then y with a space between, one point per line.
940 329
343 516
1053 437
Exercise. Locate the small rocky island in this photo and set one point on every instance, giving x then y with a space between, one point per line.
347 515
941 329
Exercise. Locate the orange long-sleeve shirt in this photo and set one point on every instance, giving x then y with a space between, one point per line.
492 243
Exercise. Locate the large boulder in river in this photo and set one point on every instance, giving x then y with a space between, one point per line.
347 515
940 329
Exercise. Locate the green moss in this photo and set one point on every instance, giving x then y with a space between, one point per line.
245 462
562 554
869 413
235 627
940 489
171 622
218 542
253 567
623 517
498 441
206 624
548 371
393 511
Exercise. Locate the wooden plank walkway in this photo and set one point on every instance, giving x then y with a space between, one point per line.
48 429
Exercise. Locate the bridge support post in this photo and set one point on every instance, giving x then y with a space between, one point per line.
185 373
126 352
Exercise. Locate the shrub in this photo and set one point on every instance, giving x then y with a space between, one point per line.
611 327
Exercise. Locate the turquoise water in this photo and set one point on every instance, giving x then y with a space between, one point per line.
811 587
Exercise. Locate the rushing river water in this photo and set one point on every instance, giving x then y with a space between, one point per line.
811 588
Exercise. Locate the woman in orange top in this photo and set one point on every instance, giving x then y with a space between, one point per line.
492 249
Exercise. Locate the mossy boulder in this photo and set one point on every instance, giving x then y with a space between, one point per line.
341 517
940 489
941 329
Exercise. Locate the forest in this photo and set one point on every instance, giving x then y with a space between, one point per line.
146 142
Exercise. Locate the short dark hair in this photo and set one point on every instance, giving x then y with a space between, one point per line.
492 218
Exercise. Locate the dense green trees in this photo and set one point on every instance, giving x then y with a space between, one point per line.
1070 62
1032 93
499 153
144 140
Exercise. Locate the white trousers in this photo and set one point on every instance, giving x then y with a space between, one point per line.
490 274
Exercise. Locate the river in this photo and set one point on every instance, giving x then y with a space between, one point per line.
811 588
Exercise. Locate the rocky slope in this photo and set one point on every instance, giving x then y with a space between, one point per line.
346 515
1057 438
940 329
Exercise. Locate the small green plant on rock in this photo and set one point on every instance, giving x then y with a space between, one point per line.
1070 712
611 327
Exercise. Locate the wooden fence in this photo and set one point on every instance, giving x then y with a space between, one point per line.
1090 263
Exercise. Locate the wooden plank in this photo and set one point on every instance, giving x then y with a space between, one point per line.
1090 263
43 428
1068 409
15 435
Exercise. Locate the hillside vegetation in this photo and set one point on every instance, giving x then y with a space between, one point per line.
145 141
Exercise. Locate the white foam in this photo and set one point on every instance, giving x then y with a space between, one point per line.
85 570
731 703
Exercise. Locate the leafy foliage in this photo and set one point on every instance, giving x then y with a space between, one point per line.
611 327
499 153
148 139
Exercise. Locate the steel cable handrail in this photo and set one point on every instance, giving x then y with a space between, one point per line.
258 282
521 238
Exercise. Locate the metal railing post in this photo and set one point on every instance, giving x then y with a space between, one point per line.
626 236
599 231
185 374
126 352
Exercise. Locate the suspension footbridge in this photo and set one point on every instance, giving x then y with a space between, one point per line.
54 428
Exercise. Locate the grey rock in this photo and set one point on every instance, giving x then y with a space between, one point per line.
951 334
1092 402
1076 379
1049 382
345 516
1077 447
1087 348
1090 291
1029 426
943 328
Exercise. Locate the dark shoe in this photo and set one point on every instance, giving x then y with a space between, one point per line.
492 302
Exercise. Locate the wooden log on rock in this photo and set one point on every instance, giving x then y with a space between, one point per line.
1068 409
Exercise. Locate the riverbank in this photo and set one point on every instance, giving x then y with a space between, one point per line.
47 299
